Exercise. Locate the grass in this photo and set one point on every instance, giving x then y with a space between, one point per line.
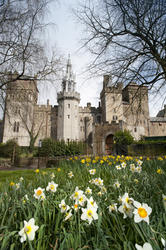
109 231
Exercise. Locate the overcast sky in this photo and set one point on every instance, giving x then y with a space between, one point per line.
66 35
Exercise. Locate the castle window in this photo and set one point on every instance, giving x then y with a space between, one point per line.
115 117
99 119
114 110
68 116
113 98
68 105
16 126
68 140
135 129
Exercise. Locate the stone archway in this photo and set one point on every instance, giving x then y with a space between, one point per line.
109 144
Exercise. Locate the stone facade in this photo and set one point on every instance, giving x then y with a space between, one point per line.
121 108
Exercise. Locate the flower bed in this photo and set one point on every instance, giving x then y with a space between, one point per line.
100 203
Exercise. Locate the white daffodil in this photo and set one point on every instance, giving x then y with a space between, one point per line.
138 169
21 179
141 212
92 203
88 191
70 174
163 242
132 168
75 206
127 211
64 208
17 185
82 198
28 231
92 171
52 186
123 165
39 193
99 182
139 162
77 193
68 215
25 198
118 167
164 200
89 214
52 175
125 199
117 184
146 246
112 207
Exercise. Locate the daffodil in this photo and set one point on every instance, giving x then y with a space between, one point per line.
159 171
125 199
12 183
17 185
163 242
127 211
92 171
82 199
52 186
52 175
117 184
164 200
39 193
112 207
88 191
132 168
141 212
75 206
92 203
28 231
89 214
123 165
64 208
37 171
146 246
21 179
68 215
118 167
70 174
77 193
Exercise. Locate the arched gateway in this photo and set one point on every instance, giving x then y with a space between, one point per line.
109 144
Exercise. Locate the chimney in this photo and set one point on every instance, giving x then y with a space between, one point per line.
47 102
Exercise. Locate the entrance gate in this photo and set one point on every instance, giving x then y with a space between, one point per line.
109 145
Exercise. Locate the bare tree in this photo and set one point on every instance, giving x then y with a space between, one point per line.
127 39
22 24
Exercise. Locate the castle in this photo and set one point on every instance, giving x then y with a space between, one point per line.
120 108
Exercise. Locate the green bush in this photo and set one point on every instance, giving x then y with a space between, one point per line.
53 148
123 138
11 150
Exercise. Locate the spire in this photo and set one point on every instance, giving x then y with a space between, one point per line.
68 82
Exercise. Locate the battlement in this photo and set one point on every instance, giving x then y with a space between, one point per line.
68 95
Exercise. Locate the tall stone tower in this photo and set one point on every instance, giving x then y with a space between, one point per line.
21 97
111 101
68 109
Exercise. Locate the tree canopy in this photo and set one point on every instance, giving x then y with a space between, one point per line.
127 39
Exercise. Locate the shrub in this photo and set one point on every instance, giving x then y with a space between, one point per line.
11 150
123 138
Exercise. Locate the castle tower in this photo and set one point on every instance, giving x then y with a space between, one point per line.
68 109
21 97
111 101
